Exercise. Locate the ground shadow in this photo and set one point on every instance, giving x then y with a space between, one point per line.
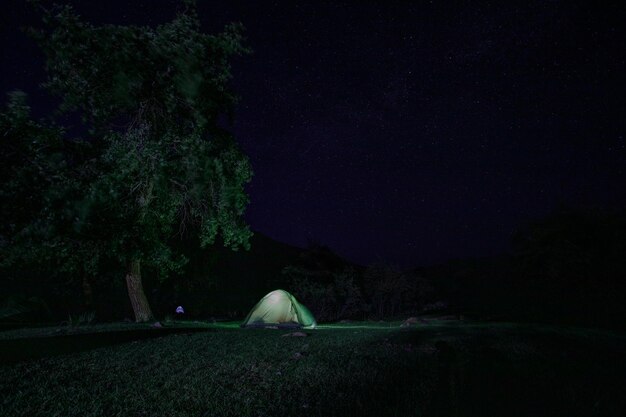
15 350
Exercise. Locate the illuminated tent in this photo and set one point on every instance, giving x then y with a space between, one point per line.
279 308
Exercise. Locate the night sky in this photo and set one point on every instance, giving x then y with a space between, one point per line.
405 133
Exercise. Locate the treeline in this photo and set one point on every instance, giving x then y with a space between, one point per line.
336 290
568 268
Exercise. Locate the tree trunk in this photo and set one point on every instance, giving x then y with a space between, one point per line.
87 292
138 299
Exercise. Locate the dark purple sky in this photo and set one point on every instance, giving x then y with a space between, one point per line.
406 133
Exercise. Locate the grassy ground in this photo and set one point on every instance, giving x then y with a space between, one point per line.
375 369
47 331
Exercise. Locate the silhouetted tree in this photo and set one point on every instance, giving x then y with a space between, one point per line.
326 284
570 266
388 289
154 162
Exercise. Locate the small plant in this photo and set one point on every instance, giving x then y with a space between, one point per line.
81 319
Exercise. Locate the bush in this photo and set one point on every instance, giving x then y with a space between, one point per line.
338 299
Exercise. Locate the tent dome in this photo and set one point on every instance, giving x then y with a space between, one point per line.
279 308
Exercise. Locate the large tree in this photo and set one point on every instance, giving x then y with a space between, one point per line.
153 163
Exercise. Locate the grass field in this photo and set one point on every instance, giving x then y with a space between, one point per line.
373 369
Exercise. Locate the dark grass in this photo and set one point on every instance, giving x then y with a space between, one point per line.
19 349
56 330
451 369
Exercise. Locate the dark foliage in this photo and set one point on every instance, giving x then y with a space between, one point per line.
154 162
567 268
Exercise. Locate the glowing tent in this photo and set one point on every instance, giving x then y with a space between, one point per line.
281 309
